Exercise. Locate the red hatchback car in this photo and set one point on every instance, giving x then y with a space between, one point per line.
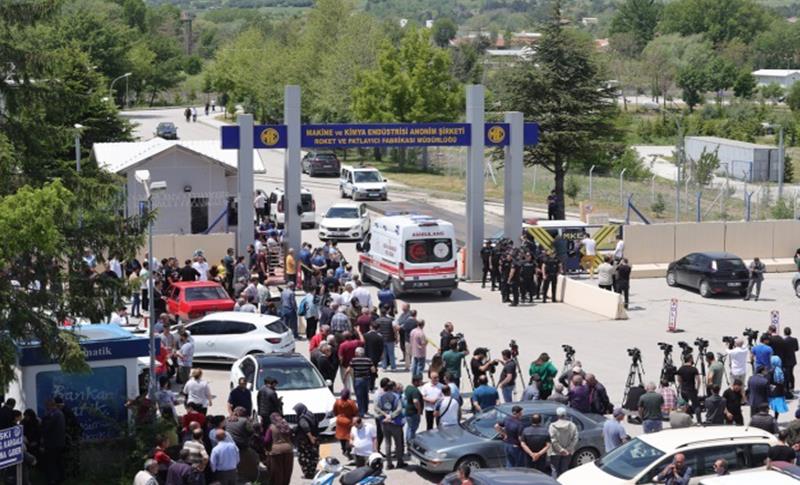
190 300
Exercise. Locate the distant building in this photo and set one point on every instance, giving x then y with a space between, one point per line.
403 23
524 39
589 21
782 77
744 161
429 24
201 181
601 44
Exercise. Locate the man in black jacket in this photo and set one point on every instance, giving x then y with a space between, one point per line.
373 349
268 401
715 407
763 420
789 360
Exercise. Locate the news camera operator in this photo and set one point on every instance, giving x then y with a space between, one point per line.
445 337
481 365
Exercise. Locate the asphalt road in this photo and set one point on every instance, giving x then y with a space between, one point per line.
601 344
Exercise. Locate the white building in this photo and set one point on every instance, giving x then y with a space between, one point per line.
744 161
782 77
201 181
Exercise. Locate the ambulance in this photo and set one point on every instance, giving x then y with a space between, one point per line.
416 254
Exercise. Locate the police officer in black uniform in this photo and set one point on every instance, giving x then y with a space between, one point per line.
528 276
505 272
550 269
515 277
494 259
486 260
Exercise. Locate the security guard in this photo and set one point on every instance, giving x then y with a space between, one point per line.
505 272
528 269
494 259
551 268
486 260
515 277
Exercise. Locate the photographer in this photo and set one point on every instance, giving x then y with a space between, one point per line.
480 366
737 356
445 337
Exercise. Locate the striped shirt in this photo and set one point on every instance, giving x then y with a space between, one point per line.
362 367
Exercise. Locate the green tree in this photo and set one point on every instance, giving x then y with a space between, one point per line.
572 188
638 18
659 205
721 76
772 92
793 98
444 30
745 85
693 81
562 88
704 167
717 20
782 209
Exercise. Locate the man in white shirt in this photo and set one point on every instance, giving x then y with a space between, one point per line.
201 266
347 294
363 440
619 250
185 354
119 317
589 246
737 356
447 408
148 475
362 294
115 266
431 393
260 204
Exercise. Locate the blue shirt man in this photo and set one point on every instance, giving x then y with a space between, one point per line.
613 432
304 255
225 455
386 298
762 353
485 396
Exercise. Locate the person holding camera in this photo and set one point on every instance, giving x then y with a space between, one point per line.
508 376
737 356
480 365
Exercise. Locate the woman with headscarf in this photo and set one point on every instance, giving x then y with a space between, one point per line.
345 409
278 445
307 440
777 390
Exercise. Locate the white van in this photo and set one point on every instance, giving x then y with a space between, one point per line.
362 183
277 210
417 254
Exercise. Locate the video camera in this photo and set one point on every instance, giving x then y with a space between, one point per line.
461 344
514 348
752 336
635 354
665 347
486 358
730 340
701 343
686 349
569 350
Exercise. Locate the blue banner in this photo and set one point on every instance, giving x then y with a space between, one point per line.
530 134
11 440
264 136
97 398
100 350
384 135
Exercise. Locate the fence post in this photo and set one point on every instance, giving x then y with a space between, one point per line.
699 196
621 182
590 181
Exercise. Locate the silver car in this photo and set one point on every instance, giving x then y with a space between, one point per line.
476 443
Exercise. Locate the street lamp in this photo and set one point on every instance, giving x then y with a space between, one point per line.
143 177
111 87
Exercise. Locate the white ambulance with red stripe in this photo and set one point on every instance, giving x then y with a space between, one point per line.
417 254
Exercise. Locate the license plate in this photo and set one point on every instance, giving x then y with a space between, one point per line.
734 284
374 195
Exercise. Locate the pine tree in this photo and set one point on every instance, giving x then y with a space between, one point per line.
561 88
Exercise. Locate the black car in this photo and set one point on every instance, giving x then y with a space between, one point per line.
320 163
710 273
503 476
167 130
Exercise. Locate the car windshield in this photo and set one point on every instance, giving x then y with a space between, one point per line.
729 264
630 459
326 156
342 213
206 293
167 125
368 176
292 378
482 424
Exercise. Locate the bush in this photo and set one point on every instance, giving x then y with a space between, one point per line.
782 210
572 188
634 166
659 206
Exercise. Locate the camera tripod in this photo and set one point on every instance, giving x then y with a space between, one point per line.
668 367
635 373
701 359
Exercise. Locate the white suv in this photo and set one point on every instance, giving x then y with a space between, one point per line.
277 211
346 220
227 336
362 183
641 459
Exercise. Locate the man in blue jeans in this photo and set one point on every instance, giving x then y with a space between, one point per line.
413 406
362 369
508 376
511 429
389 331
650 409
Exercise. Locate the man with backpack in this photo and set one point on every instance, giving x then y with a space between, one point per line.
389 411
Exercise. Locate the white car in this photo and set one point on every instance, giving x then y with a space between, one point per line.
346 220
227 336
362 183
298 382
641 459
277 211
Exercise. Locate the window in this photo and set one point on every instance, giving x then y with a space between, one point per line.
277 327
234 328
292 378
758 455
307 201
482 424
429 250
203 328
248 369
729 264
199 214
368 176
630 459
342 213
206 293
707 457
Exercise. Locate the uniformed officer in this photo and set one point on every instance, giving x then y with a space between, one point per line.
486 260
528 277
550 270
514 278
494 259
505 272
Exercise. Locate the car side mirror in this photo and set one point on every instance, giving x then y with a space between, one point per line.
299 209
328 382
385 180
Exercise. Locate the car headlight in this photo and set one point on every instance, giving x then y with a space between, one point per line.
356 227
435 455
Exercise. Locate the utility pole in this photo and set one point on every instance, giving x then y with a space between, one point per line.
781 163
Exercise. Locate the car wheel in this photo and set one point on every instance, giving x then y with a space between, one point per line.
446 293
341 193
797 289
705 289
473 461
583 456
671 281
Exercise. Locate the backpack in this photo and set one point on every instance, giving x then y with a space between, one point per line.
303 307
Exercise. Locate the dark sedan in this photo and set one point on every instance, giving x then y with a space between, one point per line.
167 130
320 163
476 443
503 476
710 273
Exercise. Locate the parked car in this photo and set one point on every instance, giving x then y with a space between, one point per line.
320 163
644 457
781 473
190 300
345 221
298 382
475 442
710 273
796 284
362 183
228 336
277 211
167 130
503 476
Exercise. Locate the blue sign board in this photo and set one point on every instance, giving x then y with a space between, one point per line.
97 398
92 351
264 136
11 446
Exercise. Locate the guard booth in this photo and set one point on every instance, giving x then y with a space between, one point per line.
98 397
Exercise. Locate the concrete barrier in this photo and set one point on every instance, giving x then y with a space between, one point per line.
649 244
750 239
695 237
785 239
591 298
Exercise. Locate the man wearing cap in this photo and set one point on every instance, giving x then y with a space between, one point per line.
680 417
511 430
613 432
564 440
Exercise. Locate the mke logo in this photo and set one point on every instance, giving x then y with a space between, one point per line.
270 137
496 134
